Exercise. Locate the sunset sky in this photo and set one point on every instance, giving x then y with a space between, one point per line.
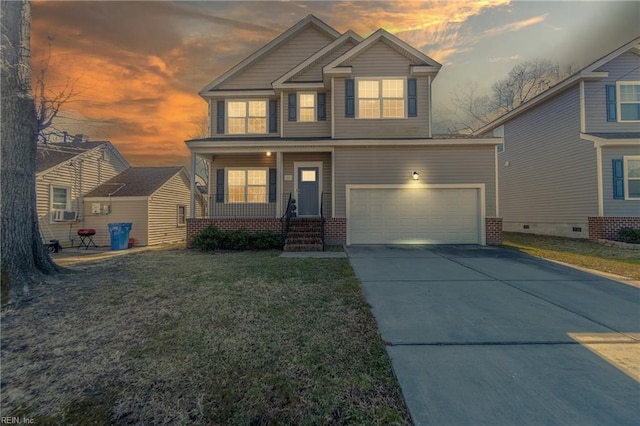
137 66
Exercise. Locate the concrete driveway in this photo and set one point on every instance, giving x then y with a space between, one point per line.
487 336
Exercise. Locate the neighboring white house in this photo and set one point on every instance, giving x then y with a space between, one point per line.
64 173
154 199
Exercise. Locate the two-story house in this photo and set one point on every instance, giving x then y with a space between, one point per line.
571 159
342 126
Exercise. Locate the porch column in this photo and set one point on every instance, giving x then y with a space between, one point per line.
279 184
193 185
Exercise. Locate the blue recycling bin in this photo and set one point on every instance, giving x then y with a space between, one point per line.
119 235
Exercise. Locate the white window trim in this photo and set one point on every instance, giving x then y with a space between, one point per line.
379 79
246 118
68 202
619 100
184 222
246 185
315 107
625 159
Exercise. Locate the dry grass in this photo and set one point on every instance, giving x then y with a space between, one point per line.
181 337
579 252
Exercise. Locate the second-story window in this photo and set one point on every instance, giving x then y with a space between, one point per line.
381 98
629 100
307 102
247 117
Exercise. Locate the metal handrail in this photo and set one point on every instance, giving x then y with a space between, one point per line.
286 217
322 220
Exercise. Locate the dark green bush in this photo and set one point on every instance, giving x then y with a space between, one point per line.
629 235
265 240
211 238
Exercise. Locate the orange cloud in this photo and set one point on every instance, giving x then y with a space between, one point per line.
137 66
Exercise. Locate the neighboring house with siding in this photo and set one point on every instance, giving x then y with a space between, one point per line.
342 125
154 199
64 174
571 159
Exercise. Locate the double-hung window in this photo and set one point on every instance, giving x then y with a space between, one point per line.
60 198
182 215
307 106
247 185
632 177
246 117
628 100
381 98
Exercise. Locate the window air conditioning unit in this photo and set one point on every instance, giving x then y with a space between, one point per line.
63 216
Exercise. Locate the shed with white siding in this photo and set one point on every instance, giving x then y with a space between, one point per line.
155 200
65 172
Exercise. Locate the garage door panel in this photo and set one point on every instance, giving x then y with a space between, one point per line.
414 216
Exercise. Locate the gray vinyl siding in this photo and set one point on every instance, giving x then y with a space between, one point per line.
380 60
274 64
436 165
123 210
81 177
625 67
213 124
314 71
288 160
163 211
616 207
241 161
306 129
551 177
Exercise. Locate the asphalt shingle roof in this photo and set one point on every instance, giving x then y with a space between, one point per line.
50 155
135 182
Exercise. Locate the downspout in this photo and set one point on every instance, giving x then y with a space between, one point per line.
192 204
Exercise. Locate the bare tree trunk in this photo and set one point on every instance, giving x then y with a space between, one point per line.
24 258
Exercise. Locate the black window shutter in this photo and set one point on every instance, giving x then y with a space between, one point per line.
272 185
220 117
412 97
618 180
322 106
349 98
220 186
273 116
612 110
292 107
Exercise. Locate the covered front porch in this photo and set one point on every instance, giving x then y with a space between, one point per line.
261 188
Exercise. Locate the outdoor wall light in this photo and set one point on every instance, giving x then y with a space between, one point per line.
415 175
268 153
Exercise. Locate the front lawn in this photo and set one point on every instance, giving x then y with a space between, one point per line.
183 337
578 252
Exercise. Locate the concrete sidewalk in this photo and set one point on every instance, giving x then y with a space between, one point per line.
483 335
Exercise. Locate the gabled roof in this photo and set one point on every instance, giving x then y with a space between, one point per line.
590 72
136 182
51 156
394 42
318 56
308 20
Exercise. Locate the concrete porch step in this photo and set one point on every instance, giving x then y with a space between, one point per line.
303 247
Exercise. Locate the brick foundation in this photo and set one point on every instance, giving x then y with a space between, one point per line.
493 230
335 231
606 228
251 224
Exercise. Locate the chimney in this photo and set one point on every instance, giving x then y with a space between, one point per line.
79 138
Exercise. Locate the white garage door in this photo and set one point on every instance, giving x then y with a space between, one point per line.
414 216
